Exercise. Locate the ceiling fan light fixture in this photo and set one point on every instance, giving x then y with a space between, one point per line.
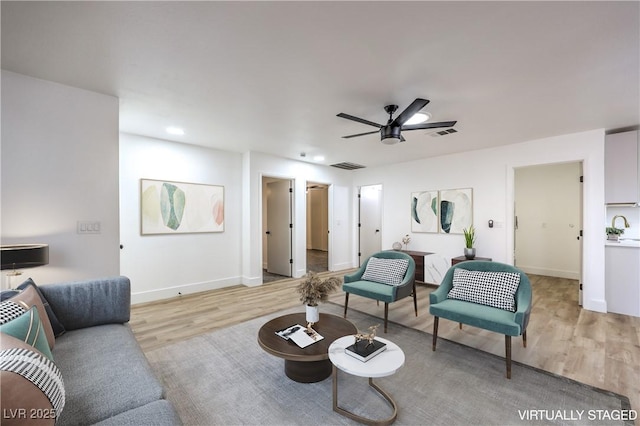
391 140
417 118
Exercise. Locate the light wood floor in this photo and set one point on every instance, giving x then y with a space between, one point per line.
602 350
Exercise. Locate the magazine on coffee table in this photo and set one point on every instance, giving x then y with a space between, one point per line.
299 335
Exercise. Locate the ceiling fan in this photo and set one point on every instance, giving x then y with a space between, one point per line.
390 133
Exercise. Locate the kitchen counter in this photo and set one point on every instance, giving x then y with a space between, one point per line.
623 243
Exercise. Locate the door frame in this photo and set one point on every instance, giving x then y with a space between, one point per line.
329 189
512 221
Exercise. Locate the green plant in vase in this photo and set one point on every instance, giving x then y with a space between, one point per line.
469 240
613 233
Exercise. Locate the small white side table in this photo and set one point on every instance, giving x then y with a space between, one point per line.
383 364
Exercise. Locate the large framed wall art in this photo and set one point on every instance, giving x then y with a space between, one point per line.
179 208
456 210
424 211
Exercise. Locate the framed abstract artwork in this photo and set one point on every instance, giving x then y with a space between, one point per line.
180 208
456 210
424 211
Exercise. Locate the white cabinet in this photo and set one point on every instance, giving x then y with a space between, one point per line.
621 159
622 280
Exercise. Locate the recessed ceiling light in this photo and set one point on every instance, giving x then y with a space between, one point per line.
318 158
418 117
175 131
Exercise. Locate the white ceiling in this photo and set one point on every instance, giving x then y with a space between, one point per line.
271 76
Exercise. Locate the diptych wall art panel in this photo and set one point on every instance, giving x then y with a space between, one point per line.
456 210
424 211
179 208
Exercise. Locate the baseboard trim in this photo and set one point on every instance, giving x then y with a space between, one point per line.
558 273
597 305
342 266
169 292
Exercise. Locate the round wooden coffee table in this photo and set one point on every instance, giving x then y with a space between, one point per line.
310 364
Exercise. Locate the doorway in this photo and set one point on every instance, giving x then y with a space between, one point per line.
369 221
548 221
317 227
277 226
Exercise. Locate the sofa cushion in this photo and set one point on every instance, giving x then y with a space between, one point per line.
26 327
496 289
157 413
105 373
385 271
33 389
87 303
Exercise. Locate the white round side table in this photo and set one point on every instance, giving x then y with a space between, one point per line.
384 364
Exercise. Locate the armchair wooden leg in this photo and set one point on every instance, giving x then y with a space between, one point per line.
524 338
435 332
346 302
415 299
507 348
386 315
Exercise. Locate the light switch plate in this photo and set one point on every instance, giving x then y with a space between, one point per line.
89 227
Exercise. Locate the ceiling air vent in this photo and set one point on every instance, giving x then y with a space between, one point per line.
442 132
347 166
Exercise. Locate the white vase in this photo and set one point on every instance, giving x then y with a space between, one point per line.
470 253
313 315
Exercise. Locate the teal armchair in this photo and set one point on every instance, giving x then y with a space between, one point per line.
382 292
479 315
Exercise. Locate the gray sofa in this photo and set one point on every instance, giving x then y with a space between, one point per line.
108 380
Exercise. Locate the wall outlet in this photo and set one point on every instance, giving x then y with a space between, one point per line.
88 227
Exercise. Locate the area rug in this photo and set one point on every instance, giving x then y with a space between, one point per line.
225 378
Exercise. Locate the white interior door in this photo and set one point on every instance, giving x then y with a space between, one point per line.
370 220
279 260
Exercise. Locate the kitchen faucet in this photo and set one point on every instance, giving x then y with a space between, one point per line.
613 221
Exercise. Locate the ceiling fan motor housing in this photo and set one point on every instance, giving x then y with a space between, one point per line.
390 134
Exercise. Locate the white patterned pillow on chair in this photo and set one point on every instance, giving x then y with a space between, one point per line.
489 288
385 271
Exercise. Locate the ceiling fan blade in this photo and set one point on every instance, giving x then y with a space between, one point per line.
360 134
359 120
415 106
429 125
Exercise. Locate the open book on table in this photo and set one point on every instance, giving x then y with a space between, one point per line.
299 335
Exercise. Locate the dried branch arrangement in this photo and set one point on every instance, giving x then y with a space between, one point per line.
314 290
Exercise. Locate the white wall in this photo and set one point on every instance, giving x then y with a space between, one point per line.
490 173
60 166
162 266
255 167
